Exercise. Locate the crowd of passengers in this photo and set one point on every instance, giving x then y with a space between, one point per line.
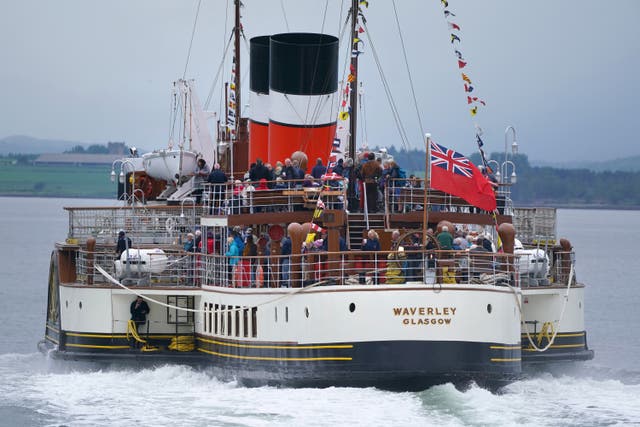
368 180
249 263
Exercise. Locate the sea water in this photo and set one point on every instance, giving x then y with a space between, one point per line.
35 390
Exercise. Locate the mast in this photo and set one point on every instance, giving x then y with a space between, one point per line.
353 96
236 36
353 117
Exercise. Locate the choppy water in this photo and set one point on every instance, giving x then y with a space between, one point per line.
37 391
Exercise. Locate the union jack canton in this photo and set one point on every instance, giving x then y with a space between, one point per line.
450 160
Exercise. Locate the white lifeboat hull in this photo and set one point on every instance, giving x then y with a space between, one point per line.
165 164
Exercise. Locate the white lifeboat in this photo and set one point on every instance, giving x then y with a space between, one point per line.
166 164
146 261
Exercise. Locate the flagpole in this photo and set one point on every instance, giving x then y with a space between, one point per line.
427 179
353 94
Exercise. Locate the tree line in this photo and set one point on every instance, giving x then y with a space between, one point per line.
547 186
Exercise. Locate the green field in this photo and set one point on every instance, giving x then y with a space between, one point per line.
56 181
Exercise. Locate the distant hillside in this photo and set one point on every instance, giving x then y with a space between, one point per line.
22 144
629 164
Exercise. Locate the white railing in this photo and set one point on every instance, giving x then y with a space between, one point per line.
179 268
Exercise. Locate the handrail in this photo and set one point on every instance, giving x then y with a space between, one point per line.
175 267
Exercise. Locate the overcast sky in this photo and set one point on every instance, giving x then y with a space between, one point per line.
564 73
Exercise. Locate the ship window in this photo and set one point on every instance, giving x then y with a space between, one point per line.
205 313
306 312
286 314
176 316
489 308
211 314
237 318
352 307
216 310
275 309
254 322
245 322
229 324
222 322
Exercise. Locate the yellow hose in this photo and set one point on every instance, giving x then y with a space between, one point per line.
132 329
182 343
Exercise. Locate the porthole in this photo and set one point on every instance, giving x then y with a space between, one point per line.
580 304
352 307
489 308
80 305
66 304
306 312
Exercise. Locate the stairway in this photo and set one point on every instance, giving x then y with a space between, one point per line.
357 226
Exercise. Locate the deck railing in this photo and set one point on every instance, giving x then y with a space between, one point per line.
179 268
143 224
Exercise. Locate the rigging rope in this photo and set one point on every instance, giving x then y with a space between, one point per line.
193 32
406 63
214 84
387 90
555 332
111 279
284 15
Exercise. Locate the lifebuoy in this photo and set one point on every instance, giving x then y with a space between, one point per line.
146 186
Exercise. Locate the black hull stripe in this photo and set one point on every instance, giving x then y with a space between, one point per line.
289 125
566 346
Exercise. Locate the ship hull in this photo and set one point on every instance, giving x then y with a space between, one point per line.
390 337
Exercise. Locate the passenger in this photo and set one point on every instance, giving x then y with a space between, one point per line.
309 182
218 179
339 167
238 237
445 239
318 170
325 242
486 243
414 182
210 242
278 170
189 245
249 262
395 182
280 185
200 174
234 255
259 172
124 243
247 196
349 173
414 257
197 243
371 172
285 261
395 271
139 310
288 172
370 244
298 173
271 175
479 264
395 240
236 200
